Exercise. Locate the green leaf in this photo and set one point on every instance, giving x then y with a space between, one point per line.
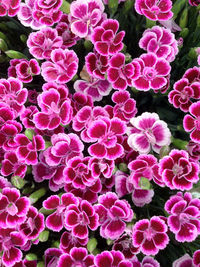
15 54
113 5
177 7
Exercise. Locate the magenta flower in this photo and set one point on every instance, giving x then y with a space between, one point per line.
62 68
113 213
196 258
119 73
150 235
76 257
160 41
146 262
13 208
84 16
185 260
125 107
26 263
154 9
111 259
78 174
177 171
64 30
183 92
33 225
148 132
193 150
23 69
154 72
101 166
105 132
48 6
5 115
192 123
43 42
184 216
55 221
8 133
26 117
12 165
54 110
94 88
13 95
4 182
79 217
84 119
105 38
27 150
52 256
25 15
194 2
64 147
192 74
80 100
69 241
10 7
9 240
32 96
96 65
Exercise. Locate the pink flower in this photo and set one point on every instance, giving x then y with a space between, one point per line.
84 119
193 150
78 174
119 73
55 221
94 88
62 68
32 96
84 16
194 2
33 225
192 74
48 6
177 171
150 235
76 257
185 260
111 259
79 217
80 100
13 208
25 15
104 132
125 107
160 41
12 165
113 213
196 258
148 132
105 38
154 72
96 65
9 240
13 95
5 115
101 166
52 256
154 9
64 30
9 7
26 263
27 150
183 92
54 110
184 216
43 42
68 241
64 147
23 69
192 123
26 117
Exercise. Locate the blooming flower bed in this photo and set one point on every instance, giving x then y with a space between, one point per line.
100 133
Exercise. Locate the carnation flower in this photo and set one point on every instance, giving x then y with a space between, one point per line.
150 235
9 7
148 132
185 260
196 258
69 241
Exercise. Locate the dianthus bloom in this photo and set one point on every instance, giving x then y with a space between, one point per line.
23 69
185 260
9 7
177 171
184 216
84 16
104 132
76 257
154 9
111 259
105 38
160 41
150 235
192 123
194 2
146 262
62 67
196 258
148 132
113 213
43 42
154 72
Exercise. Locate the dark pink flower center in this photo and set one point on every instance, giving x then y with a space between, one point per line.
12 209
149 233
177 170
184 218
82 218
149 73
61 209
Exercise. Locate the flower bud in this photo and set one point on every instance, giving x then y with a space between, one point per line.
15 54
44 235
